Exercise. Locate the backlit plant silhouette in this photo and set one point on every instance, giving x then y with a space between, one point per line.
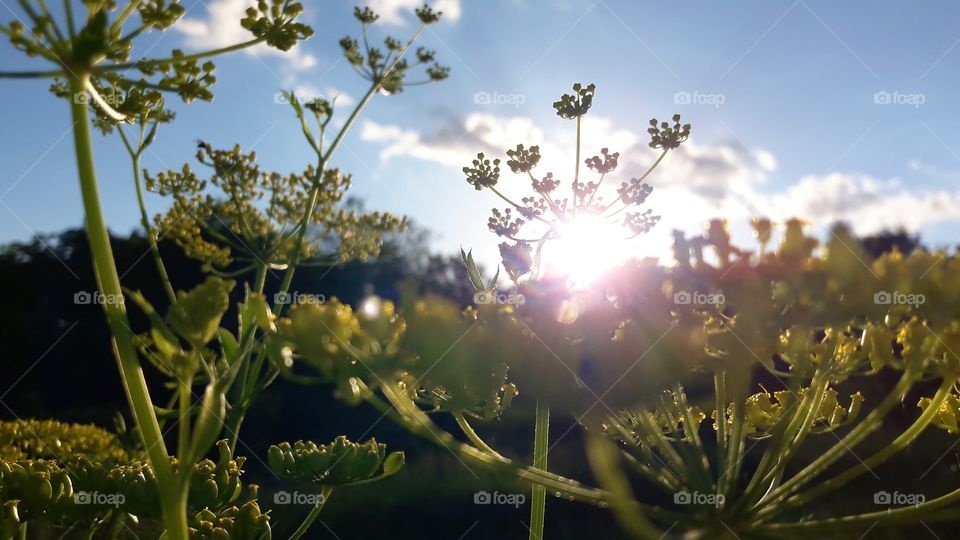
91 54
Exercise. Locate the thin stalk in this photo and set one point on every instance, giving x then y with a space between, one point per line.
405 413
474 437
541 445
856 435
576 171
186 58
314 512
183 421
734 463
819 389
720 391
145 220
123 344
887 518
47 74
692 431
876 459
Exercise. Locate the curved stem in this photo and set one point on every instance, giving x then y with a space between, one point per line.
314 512
108 281
402 411
888 517
541 442
474 437
878 458
857 435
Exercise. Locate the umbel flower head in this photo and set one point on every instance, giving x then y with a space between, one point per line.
252 215
545 214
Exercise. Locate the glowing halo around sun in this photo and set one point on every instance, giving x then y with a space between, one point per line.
586 247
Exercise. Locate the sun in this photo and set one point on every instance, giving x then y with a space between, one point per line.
585 248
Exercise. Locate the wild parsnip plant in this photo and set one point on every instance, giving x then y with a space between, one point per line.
662 366
253 221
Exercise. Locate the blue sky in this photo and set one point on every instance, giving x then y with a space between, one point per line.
820 109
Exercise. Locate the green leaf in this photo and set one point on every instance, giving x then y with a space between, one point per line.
163 338
394 462
197 313
229 345
472 271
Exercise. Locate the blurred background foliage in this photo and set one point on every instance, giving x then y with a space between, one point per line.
57 364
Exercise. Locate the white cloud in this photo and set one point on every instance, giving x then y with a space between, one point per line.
695 183
398 12
221 28
306 92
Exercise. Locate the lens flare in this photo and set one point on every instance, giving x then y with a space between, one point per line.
586 247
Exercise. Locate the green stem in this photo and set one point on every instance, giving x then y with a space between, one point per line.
818 388
876 459
186 58
145 221
576 173
405 413
720 391
183 421
541 442
474 437
109 283
888 517
856 435
314 512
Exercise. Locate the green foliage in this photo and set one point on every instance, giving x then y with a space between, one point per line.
338 463
50 439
